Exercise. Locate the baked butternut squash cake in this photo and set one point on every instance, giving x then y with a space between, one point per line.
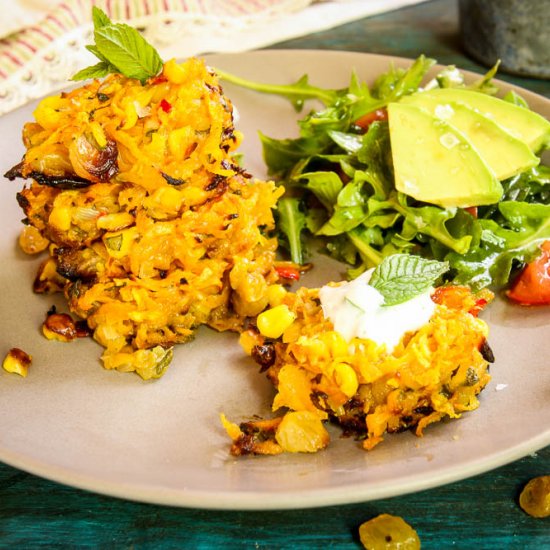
340 354
151 226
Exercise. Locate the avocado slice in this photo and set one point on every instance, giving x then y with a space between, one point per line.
435 163
523 124
504 154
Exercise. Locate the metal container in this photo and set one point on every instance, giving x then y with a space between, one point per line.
515 31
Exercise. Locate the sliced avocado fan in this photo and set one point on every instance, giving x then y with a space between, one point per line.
505 154
524 124
436 163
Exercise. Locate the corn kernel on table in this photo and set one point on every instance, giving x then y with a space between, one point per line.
480 512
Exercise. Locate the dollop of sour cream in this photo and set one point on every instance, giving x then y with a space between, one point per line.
356 310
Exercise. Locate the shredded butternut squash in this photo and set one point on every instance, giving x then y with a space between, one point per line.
433 373
153 227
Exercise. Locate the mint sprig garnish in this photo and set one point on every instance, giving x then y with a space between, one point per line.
120 49
401 277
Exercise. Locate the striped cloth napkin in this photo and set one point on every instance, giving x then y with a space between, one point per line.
42 41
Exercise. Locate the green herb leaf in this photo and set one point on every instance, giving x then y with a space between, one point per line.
516 99
401 277
512 240
93 49
100 18
280 155
291 222
325 186
399 82
99 70
120 49
128 51
485 83
296 93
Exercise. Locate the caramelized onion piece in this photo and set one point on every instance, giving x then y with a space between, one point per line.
97 164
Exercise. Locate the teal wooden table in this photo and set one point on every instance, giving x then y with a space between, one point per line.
481 512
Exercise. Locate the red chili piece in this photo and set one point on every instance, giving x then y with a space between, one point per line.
165 106
291 273
159 79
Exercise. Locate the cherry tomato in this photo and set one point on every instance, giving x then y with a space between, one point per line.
366 120
532 286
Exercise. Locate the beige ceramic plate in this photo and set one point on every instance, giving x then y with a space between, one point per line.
162 442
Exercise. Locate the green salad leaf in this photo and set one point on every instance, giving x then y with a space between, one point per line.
291 222
339 178
120 49
401 277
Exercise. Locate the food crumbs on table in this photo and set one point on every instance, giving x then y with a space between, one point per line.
535 497
387 532
17 361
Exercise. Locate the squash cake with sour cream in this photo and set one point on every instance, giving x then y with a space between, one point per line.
338 354
151 226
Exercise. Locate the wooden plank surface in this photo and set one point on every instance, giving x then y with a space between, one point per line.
480 513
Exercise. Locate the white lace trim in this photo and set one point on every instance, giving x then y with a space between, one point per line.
173 34
183 34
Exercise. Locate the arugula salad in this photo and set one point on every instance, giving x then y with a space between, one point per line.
340 185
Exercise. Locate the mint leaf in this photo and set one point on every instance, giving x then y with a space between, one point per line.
99 70
401 277
93 49
128 51
120 49
100 18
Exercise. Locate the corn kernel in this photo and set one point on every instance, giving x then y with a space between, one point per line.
60 218
248 339
49 112
17 361
168 197
131 116
335 342
273 322
118 244
60 327
31 240
275 294
174 72
99 134
345 378
194 195
302 432
180 140
115 222
232 429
